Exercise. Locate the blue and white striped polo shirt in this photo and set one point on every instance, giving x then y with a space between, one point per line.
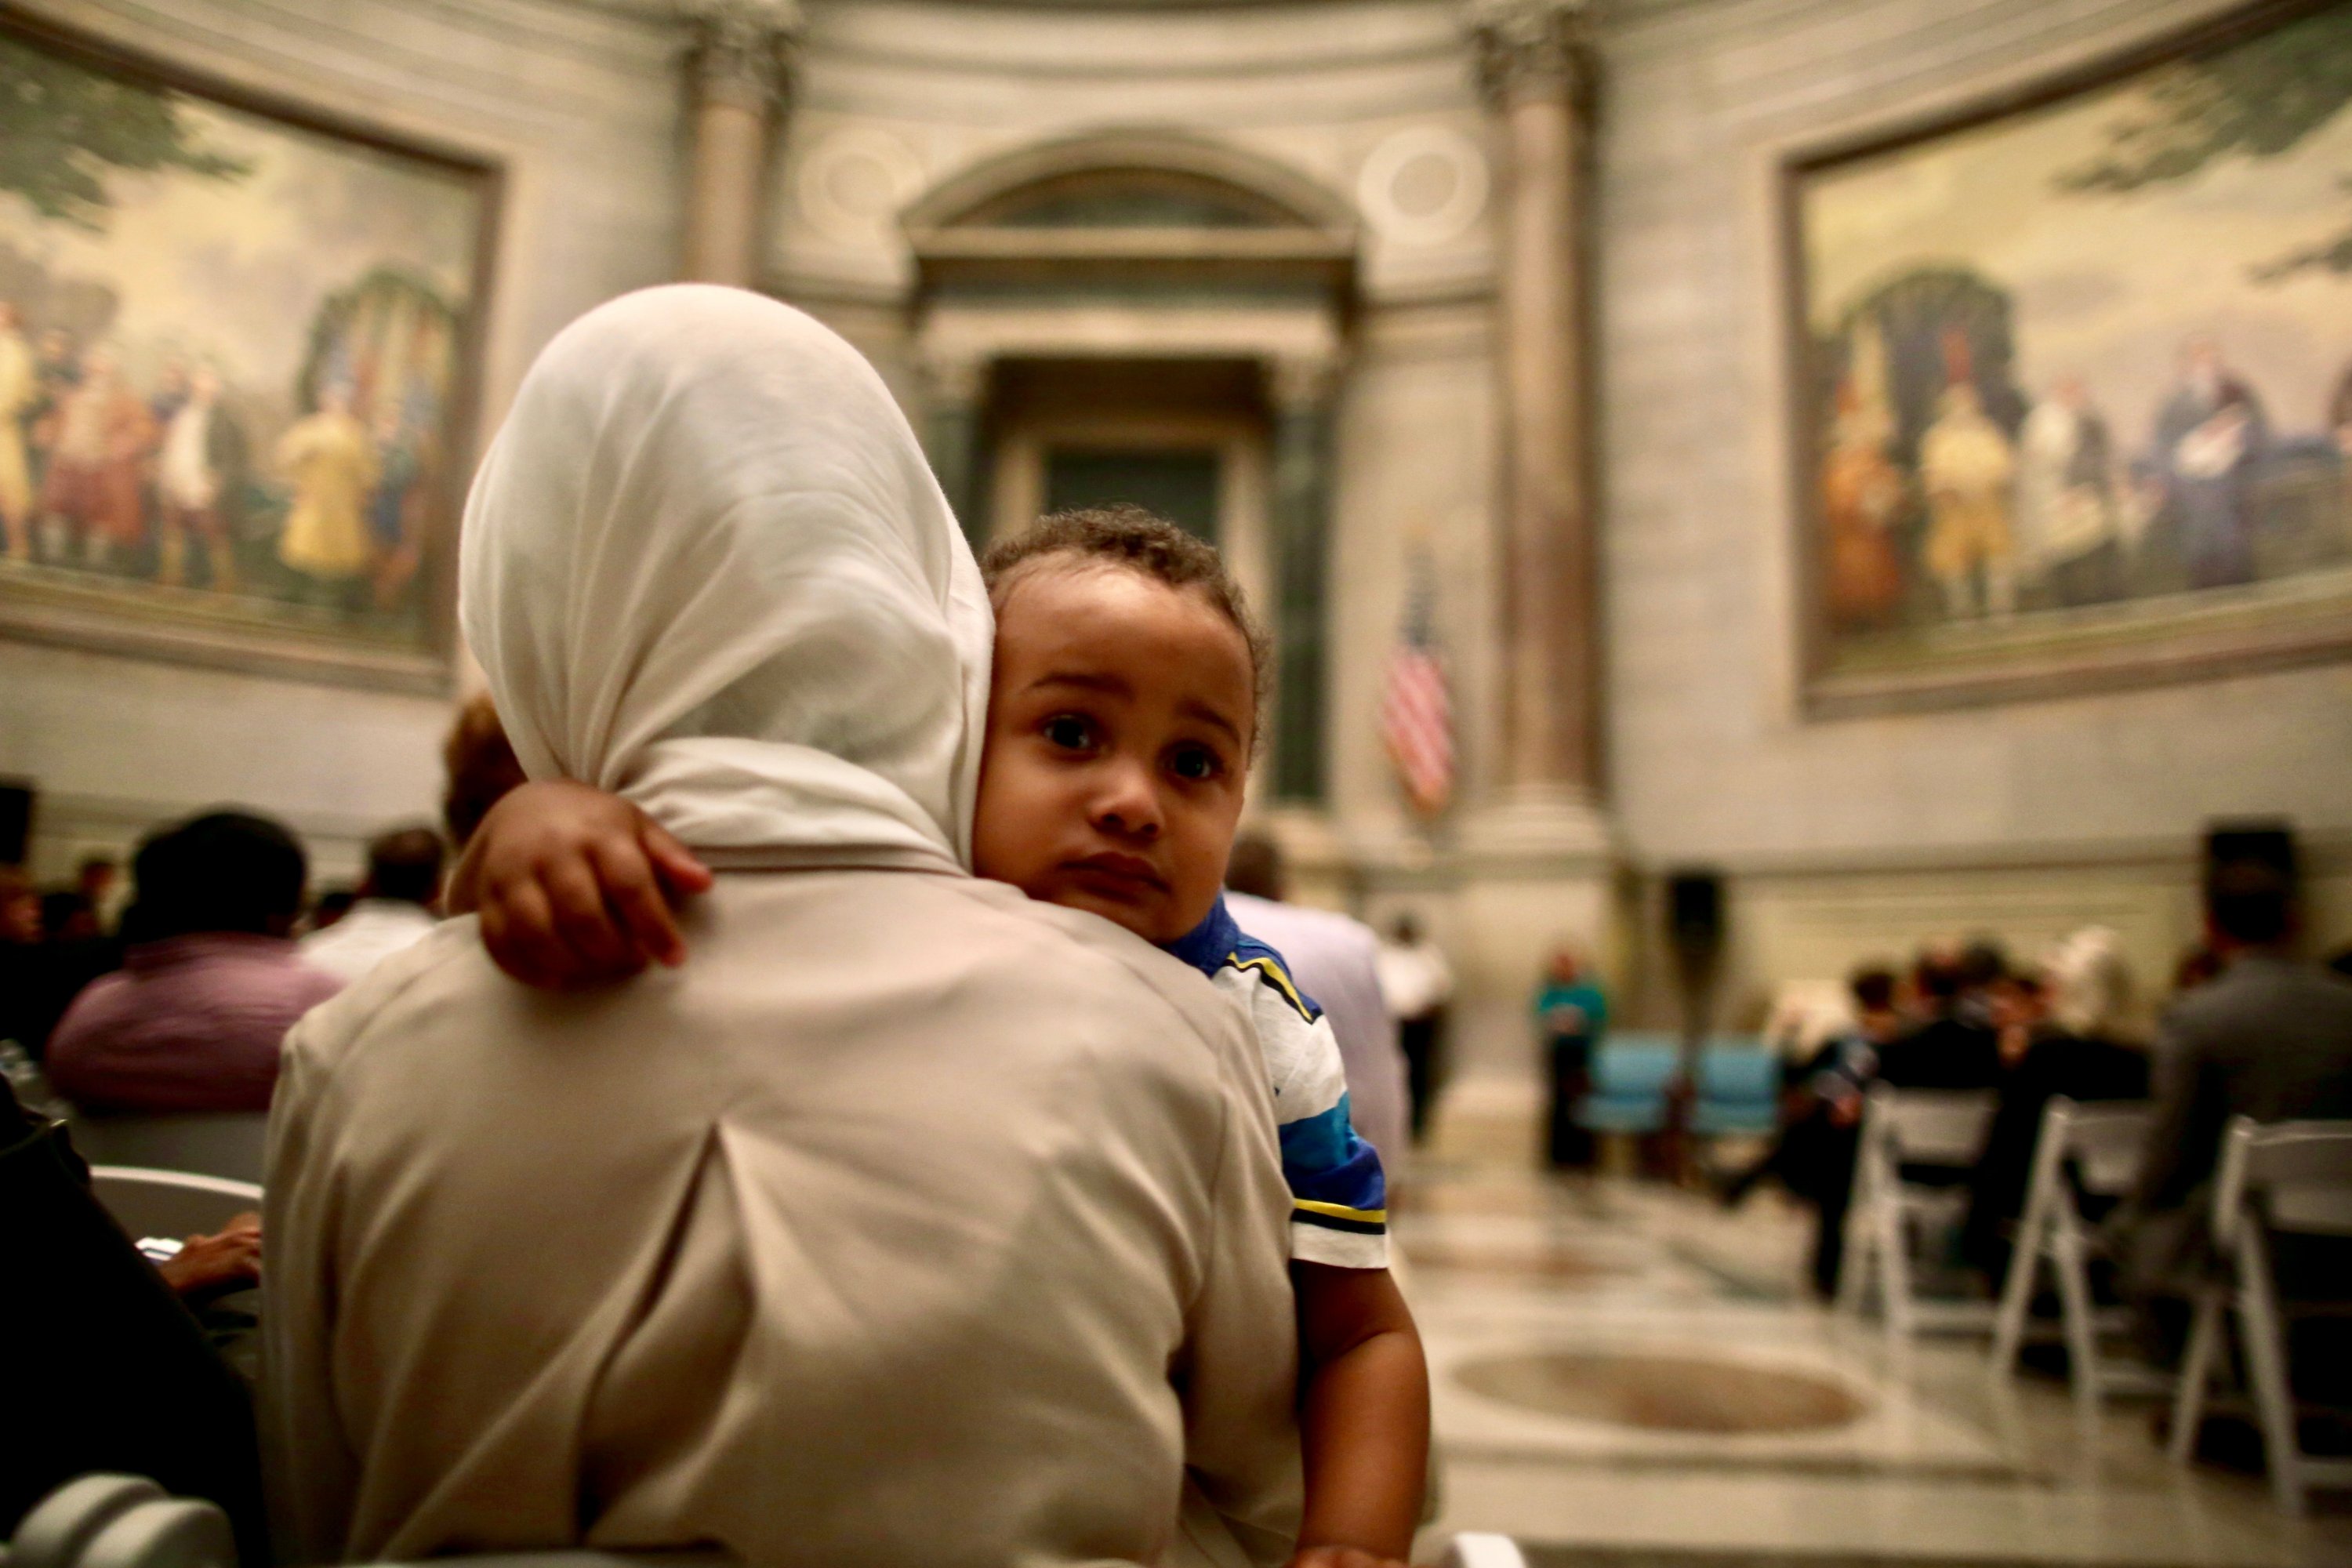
1339 1212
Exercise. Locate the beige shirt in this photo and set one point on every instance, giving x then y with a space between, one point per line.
909 1222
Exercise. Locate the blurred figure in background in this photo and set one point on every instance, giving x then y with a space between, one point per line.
1573 1014
329 906
1984 975
394 907
49 949
66 916
20 955
98 881
2270 1038
2196 966
2070 1036
210 983
481 765
1822 1121
1418 983
1335 961
1952 1043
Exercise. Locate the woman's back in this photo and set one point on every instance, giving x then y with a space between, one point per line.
870 1235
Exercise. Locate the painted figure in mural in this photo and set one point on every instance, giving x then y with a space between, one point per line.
1966 466
101 434
2209 435
332 466
171 391
57 369
1860 494
2070 527
2339 425
20 394
392 523
199 484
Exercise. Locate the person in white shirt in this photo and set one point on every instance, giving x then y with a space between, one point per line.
393 909
1418 983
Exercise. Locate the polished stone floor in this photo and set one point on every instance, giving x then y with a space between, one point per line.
1625 1376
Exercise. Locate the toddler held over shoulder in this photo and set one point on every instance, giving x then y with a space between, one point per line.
1123 715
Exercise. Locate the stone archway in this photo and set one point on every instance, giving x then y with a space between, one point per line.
1145 247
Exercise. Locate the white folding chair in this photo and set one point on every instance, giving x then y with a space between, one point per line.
1899 1127
231 1143
102 1521
2103 1143
170 1204
2292 1177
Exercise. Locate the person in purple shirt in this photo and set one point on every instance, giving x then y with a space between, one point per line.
210 982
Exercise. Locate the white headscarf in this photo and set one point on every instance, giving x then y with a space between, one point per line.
706 566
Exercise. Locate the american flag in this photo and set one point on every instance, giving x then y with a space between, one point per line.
1416 713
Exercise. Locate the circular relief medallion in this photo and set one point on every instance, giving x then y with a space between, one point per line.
1425 184
853 182
1663 1392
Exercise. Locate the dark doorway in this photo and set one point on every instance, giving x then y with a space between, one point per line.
1180 486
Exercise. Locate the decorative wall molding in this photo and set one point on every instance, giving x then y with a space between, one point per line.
1384 179
742 50
1532 48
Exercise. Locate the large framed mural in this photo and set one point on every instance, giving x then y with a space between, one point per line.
2074 378
239 354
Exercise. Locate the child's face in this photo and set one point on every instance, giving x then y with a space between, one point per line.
1119 726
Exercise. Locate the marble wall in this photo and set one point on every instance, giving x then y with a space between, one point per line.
579 105
1371 102
1856 837
1841 838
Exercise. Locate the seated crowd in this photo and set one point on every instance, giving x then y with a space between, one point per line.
2250 1031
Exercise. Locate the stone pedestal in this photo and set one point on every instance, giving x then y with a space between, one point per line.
1539 869
739 67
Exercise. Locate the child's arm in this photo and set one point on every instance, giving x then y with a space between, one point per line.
575 886
1365 1418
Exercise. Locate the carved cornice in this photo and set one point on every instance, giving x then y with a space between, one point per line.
742 50
1531 49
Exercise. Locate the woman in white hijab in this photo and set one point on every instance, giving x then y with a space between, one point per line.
873 1235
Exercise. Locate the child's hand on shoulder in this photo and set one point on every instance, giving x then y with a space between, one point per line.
574 886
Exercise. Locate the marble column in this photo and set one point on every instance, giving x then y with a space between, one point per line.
1300 392
955 393
1537 855
739 67
1534 66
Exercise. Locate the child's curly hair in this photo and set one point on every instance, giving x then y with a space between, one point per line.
1141 541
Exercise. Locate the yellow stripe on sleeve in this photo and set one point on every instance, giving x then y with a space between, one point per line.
1273 972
